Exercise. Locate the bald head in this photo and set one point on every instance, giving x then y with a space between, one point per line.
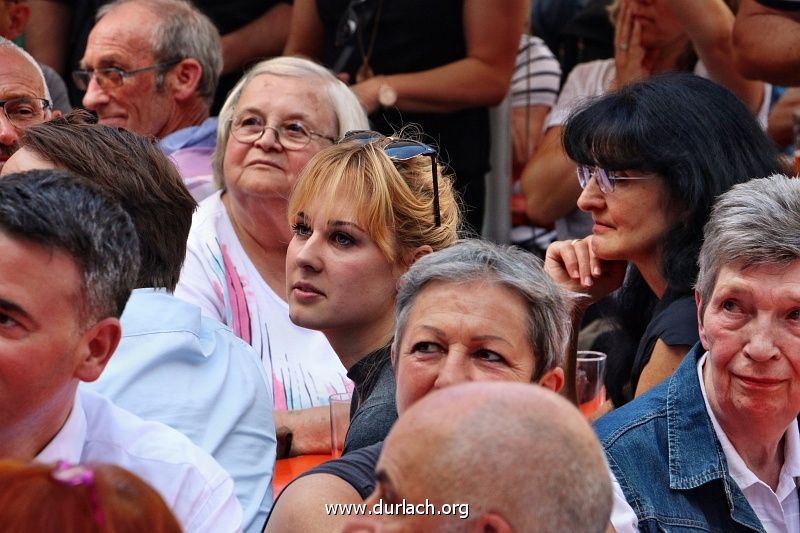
516 453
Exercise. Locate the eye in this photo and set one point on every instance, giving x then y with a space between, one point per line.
249 121
301 229
730 306
426 347
342 239
489 356
6 321
295 130
794 314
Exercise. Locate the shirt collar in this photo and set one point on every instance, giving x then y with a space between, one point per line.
738 470
67 445
204 134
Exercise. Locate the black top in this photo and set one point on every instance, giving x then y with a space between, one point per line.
783 5
411 36
372 411
674 322
357 468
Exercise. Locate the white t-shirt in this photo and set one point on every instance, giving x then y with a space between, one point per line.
778 511
594 78
219 278
197 490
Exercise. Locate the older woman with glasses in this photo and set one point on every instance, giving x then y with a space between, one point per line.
652 157
281 113
362 212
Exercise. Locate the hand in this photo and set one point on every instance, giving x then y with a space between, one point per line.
574 266
526 131
629 54
367 94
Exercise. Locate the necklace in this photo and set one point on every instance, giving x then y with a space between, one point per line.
365 71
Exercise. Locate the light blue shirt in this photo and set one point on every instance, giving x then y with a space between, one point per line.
192 373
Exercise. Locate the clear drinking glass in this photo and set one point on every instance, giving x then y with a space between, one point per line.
590 375
340 420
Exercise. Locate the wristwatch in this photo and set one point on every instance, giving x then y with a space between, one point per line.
387 96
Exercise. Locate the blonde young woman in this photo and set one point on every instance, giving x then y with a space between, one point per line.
362 212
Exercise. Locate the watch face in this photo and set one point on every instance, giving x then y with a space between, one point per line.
387 96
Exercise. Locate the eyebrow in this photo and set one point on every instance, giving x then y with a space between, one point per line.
10 307
297 115
440 332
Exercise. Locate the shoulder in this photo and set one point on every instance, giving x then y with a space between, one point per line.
357 468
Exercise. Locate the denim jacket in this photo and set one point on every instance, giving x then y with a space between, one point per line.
668 461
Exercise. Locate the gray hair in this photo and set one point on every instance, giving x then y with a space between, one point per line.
549 325
5 43
182 32
754 223
65 212
346 108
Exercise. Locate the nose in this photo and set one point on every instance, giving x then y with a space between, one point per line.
454 369
95 95
9 134
269 140
761 344
308 256
591 198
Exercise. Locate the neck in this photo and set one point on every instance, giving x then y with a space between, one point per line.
650 268
666 58
263 231
760 444
353 344
24 440
191 115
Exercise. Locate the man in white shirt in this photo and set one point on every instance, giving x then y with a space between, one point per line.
69 258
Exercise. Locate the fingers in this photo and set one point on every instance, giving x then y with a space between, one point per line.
570 260
594 261
622 35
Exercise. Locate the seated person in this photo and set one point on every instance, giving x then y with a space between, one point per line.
362 212
152 66
485 480
281 113
69 258
92 497
173 365
652 37
716 446
447 331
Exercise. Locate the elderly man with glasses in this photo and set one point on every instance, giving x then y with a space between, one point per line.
24 97
152 67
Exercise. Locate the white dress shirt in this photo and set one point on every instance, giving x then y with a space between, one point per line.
778 511
194 486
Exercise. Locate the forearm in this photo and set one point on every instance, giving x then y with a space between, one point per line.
310 430
709 25
767 43
306 31
263 37
47 33
548 182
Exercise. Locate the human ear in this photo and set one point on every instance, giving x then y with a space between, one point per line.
96 345
18 15
553 379
698 300
491 523
185 78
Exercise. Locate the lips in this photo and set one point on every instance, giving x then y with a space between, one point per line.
264 162
303 287
759 382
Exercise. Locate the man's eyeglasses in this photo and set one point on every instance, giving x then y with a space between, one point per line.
110 77
606 179
402 150
292 134
23 112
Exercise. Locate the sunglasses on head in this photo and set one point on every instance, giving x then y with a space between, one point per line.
402 150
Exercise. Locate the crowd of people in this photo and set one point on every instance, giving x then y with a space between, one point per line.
215 218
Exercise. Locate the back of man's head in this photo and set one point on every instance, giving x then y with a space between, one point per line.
67 213
182 32
135 172
516 451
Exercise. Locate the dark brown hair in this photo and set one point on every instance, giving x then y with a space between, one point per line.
134 171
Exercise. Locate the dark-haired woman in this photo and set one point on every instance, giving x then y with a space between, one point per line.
652 157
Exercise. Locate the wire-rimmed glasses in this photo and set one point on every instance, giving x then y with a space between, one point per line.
292 134
606 179
24 111
110 77
402 150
